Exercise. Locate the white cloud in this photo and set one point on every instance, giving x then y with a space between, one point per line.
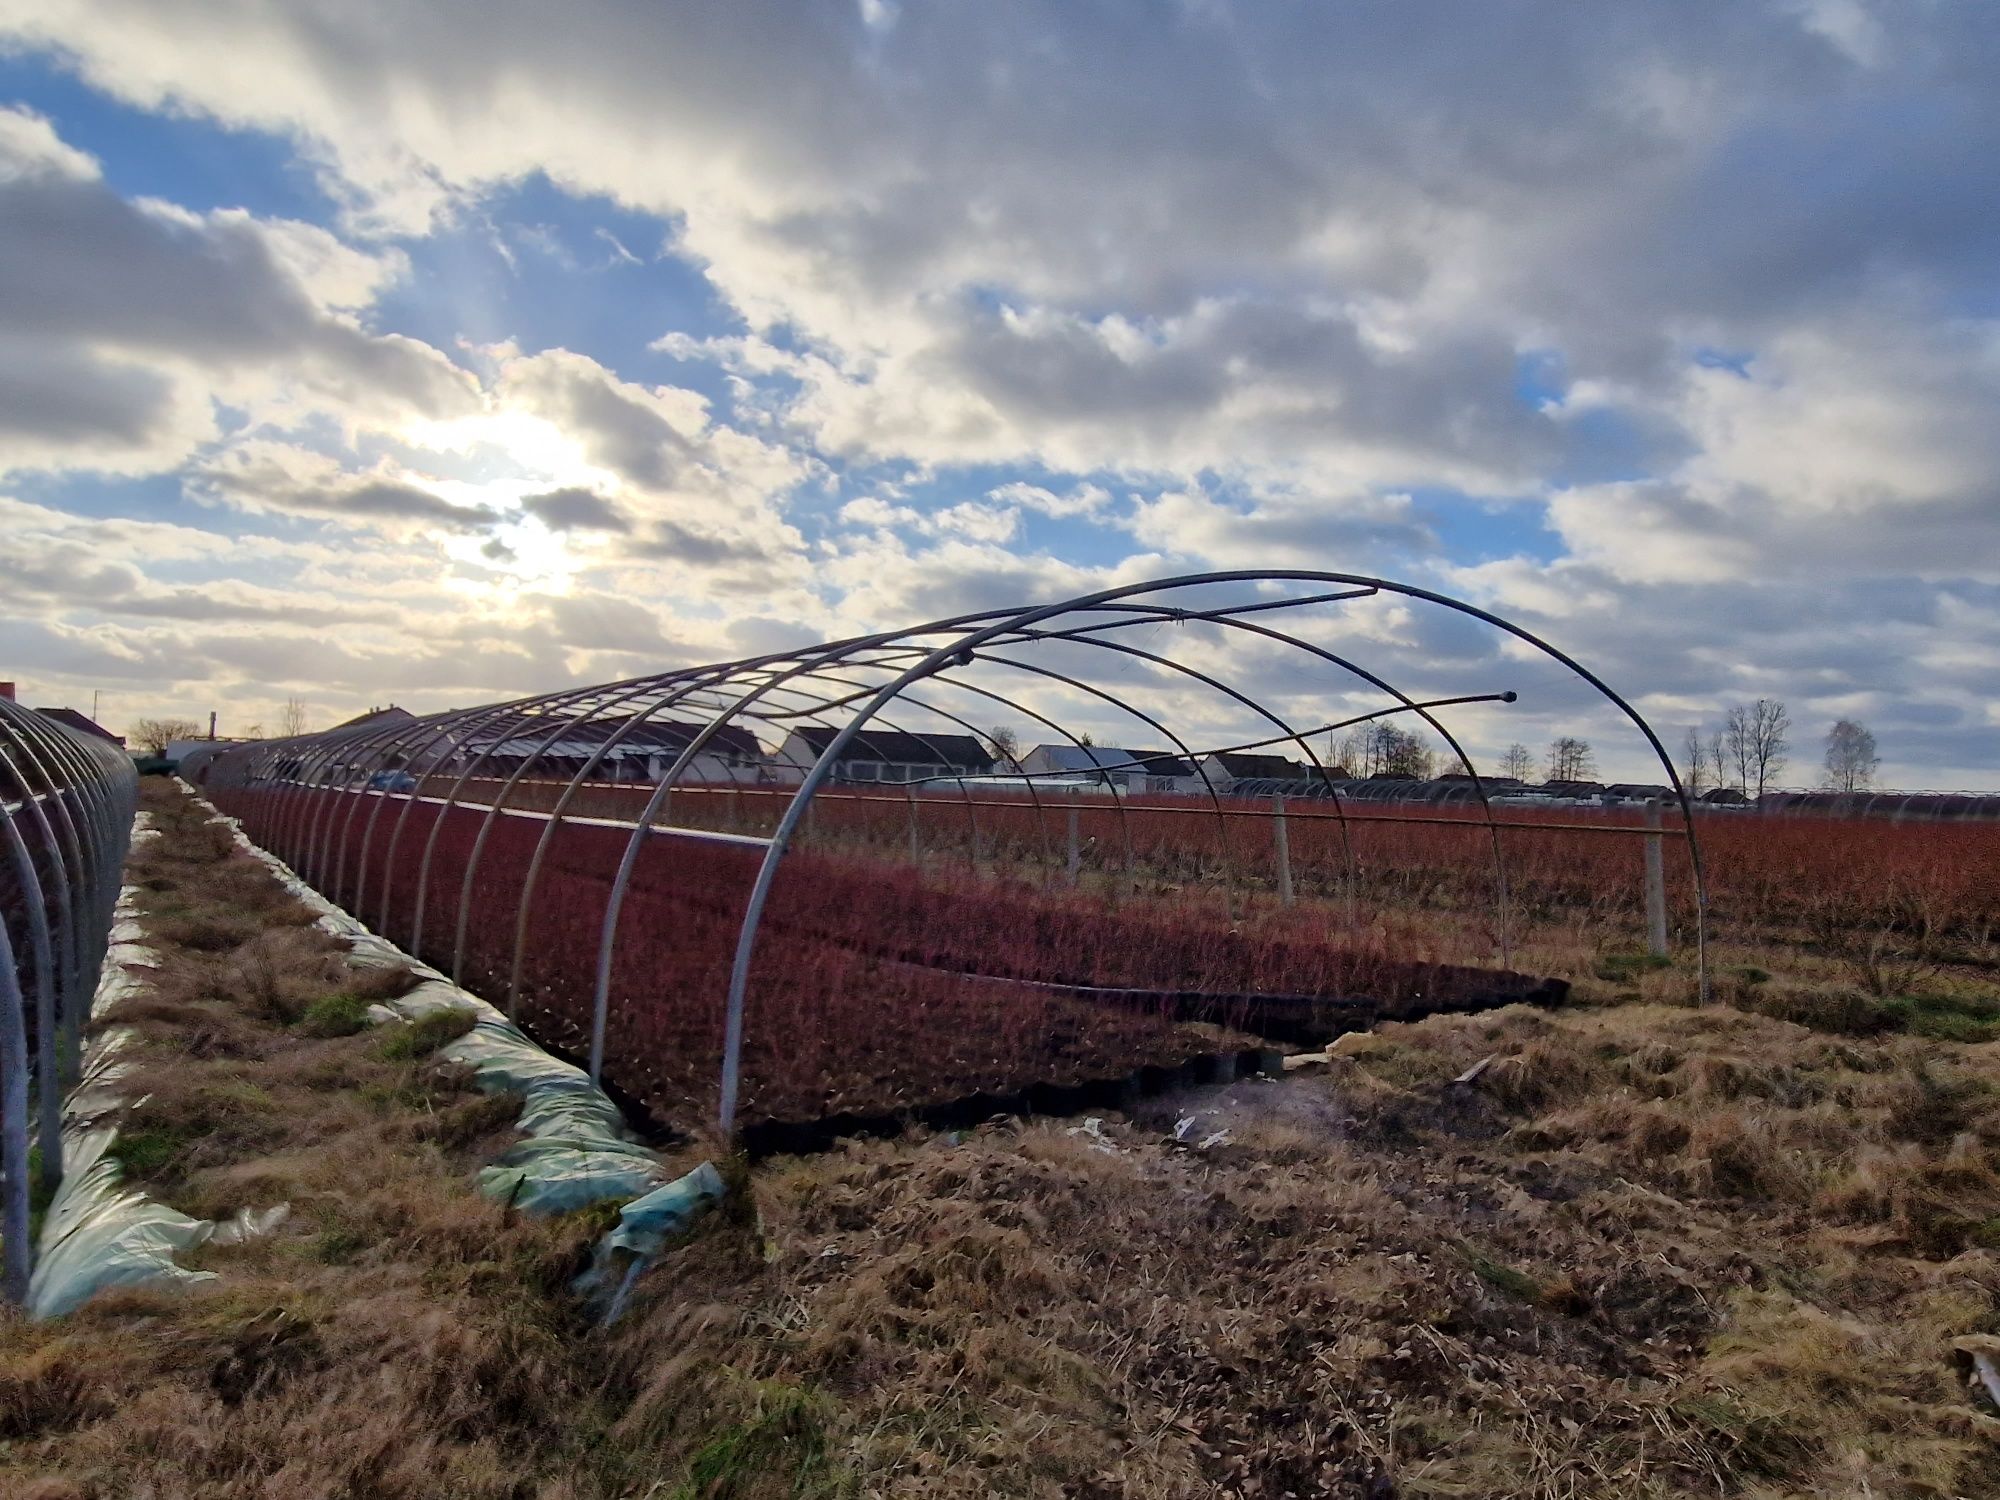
1272 276
123 323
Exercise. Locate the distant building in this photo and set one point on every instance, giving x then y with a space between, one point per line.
1633 791
1573 790
617 747
81 722
1227 767
884 755
1154 771
379 718
182 749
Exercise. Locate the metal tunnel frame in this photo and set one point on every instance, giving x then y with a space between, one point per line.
66 805
483 757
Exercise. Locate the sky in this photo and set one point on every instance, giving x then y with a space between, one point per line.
363 352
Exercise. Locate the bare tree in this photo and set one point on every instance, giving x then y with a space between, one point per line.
1404 753
292 719
154 735
1718 760
1380 749
1851 761
1518 762
1758 736
1571 759
1694 762
1356 751
1005 745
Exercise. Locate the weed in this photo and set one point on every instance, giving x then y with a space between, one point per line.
406 1040
780 1448
147 1152
340 1014
1946 1018
1623 968
1502 1278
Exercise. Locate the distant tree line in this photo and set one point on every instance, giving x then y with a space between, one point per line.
1383 749
1751 748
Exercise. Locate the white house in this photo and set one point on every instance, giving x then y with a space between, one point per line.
884 755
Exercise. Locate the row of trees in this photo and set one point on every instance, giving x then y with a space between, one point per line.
1383 749
1753 745
1568 759
1748 752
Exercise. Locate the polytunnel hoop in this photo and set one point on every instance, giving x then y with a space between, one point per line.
489 754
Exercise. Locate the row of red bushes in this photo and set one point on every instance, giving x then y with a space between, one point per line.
861 995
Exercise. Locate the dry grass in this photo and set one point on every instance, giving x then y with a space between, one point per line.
1657 1250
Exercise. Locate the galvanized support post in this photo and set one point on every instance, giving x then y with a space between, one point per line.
15 1250
916 848
1282 832
42 946
1656 887
1075 844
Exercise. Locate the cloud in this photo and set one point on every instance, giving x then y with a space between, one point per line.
263 476
1220 285
135 317
672 541
1856 450
1280 529
575 509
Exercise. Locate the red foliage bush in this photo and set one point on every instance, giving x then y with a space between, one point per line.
879 983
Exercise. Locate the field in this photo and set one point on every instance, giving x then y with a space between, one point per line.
983 966
1652 1250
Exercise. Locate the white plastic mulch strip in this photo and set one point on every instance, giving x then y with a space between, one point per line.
578 1149
97 1232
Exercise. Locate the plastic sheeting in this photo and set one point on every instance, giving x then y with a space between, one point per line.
578 1151
644 1227
99 1233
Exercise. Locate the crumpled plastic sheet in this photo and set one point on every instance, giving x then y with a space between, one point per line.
98 1233
644 1227
579 1150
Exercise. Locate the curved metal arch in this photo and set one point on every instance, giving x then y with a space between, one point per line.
1408 704
787 823
769 689
687 687
558 708
1478 786
374 757
968 641
497 808
300 813
62 839
1213 682
467 723
802 671
41 941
